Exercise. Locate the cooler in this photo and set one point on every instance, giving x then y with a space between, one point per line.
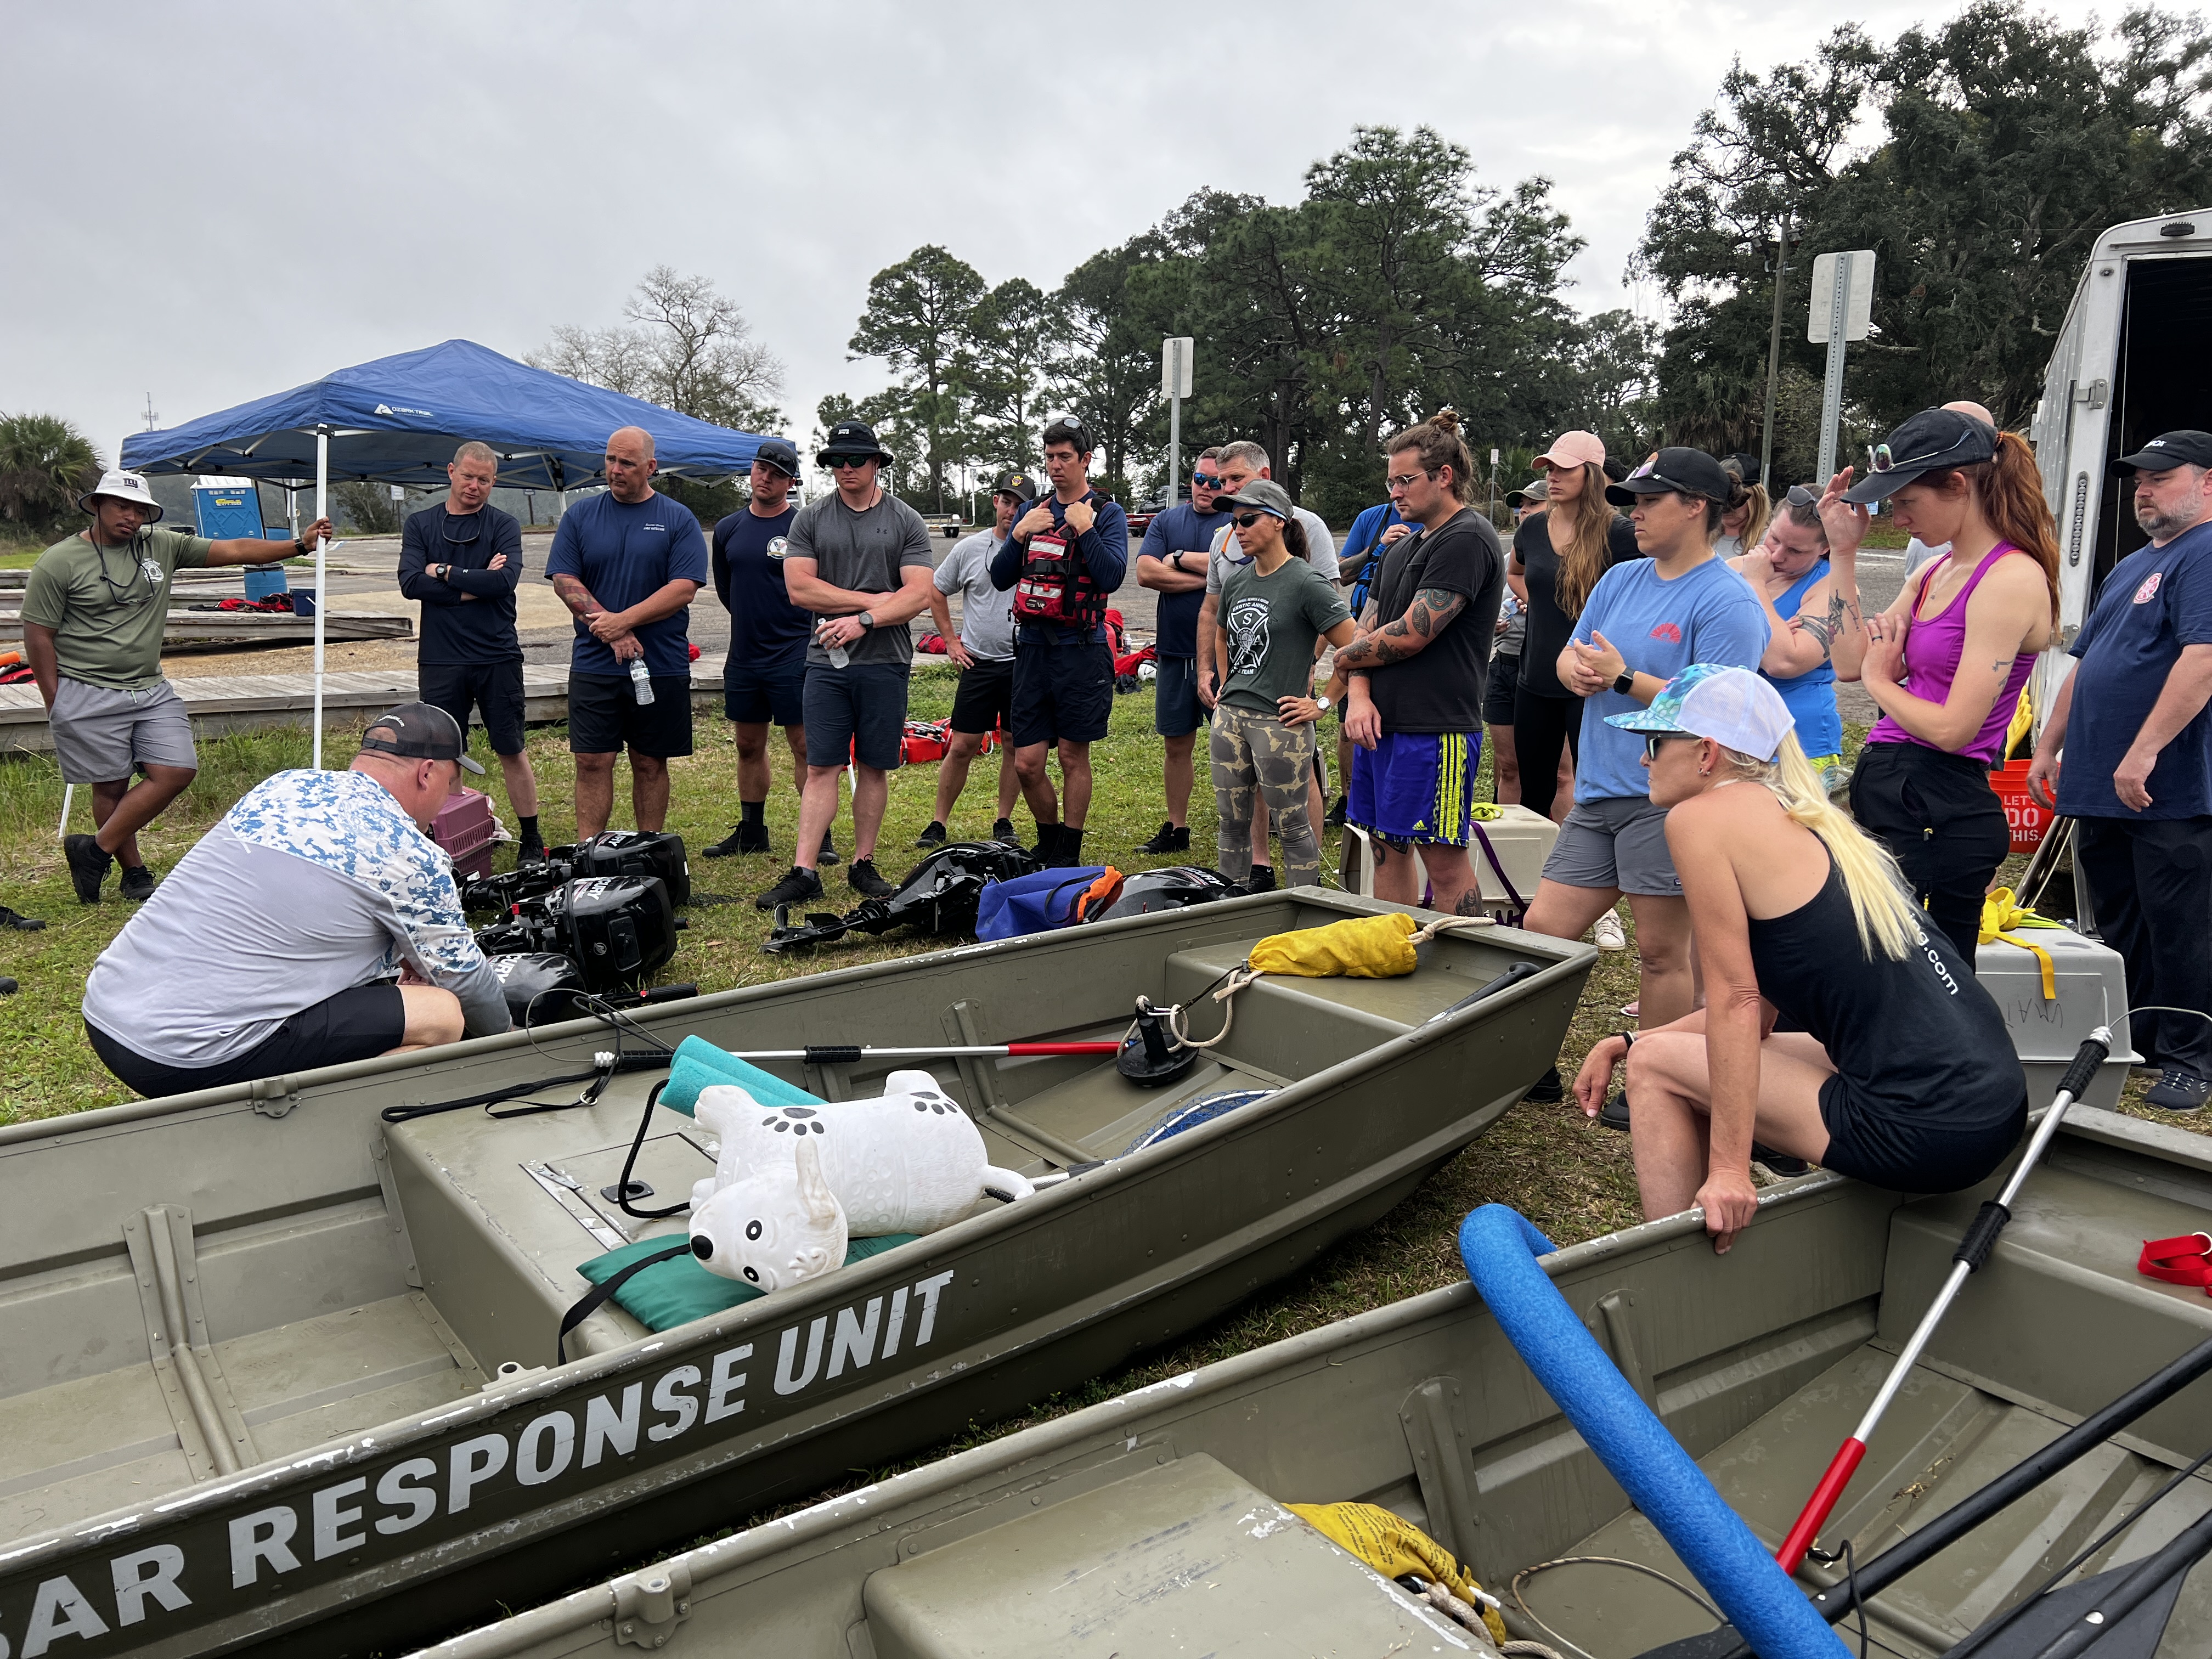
1507 855
2092 986
265 581
465 826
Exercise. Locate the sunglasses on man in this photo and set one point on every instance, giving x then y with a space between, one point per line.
1206 481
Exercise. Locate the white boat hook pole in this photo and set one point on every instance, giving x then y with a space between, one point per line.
1973 1250
322 511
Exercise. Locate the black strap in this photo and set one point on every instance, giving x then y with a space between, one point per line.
629 1165
591 1303
491 1097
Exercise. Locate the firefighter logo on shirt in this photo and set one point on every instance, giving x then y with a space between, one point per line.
2150 586
154 573
1247 626
778 547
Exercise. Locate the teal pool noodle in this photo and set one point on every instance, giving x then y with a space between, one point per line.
699 1065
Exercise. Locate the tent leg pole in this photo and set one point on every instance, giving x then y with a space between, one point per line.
322 511
68 790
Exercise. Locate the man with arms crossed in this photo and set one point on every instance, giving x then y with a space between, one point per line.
1413 684
1064 670
860 561
983 651
627 564
764 677
461 560
1240 464
274 945
94 608
1172 561
2137 779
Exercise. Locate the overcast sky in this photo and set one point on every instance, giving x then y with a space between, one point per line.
212 202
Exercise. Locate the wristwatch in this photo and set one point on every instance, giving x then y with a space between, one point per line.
1627 684
866 620
1323 703
299 546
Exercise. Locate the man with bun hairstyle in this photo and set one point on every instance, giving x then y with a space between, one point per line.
1414 682
317 924
2137 779
983 653
1645 621
95 608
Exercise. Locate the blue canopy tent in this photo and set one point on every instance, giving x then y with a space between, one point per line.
397 419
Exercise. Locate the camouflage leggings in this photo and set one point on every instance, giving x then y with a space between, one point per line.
1252 751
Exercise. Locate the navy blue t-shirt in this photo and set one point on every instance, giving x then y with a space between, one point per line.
766 629
1103 550
1180 529
625 552
2157 600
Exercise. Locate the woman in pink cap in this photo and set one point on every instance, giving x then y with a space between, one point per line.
1558 556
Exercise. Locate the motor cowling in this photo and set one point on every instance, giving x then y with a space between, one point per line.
539 985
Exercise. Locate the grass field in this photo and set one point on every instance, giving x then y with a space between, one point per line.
1572 1179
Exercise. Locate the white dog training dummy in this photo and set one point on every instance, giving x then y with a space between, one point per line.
794 1184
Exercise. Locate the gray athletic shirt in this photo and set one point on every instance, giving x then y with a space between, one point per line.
987 615
863 552
315 882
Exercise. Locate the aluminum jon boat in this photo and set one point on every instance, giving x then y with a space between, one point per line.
281 1373
1155 1522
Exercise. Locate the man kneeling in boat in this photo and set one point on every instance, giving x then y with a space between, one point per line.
272 947
1896 1069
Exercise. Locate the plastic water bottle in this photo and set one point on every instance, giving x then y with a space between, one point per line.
640 681
839 656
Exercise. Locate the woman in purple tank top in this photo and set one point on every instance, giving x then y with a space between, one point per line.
1945 663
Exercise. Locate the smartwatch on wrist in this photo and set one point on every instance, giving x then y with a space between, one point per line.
866 621
1626 685
299 546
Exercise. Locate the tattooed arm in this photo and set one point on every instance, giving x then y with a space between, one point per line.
578 598
1432 611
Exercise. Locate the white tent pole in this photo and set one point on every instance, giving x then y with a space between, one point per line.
322 511
68 790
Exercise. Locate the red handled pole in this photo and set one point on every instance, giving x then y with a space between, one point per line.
1973 1250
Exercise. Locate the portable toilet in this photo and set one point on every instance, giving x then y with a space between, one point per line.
230 508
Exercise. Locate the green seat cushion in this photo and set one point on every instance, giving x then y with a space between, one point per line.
677 1291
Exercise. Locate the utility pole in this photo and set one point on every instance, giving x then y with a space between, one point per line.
151 417
1774 352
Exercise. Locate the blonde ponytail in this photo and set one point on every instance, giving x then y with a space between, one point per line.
1887 914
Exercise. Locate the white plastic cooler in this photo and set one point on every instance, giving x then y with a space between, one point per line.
2092 986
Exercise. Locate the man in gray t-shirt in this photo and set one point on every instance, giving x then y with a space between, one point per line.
984 654
859 560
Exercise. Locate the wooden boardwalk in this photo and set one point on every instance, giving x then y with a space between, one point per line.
246 702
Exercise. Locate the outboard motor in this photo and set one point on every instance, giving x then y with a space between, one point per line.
1171 888
616 929
539 986
615 852
939 896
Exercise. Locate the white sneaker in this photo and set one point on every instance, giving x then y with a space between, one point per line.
1608 932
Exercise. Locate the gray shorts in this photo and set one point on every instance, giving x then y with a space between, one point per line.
1615 843
100 734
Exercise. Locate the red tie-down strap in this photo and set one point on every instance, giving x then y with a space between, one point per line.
2184 1261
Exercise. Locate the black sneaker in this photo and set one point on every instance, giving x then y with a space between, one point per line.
1169 840
742 838
532 851
829 854
1778 1163
1334 818
1547 1088
1613 1114
1003 829
933 837
1263 879
864 879
138 883
21 924
2176 1090
796 888
87 865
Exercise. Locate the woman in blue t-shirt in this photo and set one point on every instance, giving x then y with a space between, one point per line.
1645 621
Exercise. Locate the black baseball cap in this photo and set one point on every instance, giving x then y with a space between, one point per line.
419 730
1934 440
1678 472
1019 485
852 439
2187 448
779 454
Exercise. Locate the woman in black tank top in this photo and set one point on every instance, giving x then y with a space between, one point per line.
1902 1073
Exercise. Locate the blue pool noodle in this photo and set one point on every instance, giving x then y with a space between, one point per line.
699 1065
1499 1247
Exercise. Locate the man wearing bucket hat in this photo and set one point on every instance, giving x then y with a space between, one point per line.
1897 1069
764 675
316 924
859 559
95 609
2137 779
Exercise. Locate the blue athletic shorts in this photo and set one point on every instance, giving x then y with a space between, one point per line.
760 696
1416 786
856 713
1177 711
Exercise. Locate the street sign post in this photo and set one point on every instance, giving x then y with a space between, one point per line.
1842 309
1175 386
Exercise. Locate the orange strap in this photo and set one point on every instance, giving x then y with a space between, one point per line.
2184 1261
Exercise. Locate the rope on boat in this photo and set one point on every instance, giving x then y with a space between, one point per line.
1536 1650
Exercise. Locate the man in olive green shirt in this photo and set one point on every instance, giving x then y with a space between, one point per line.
94 611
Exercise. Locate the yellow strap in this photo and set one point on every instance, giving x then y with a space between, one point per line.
1486 811
2000 916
